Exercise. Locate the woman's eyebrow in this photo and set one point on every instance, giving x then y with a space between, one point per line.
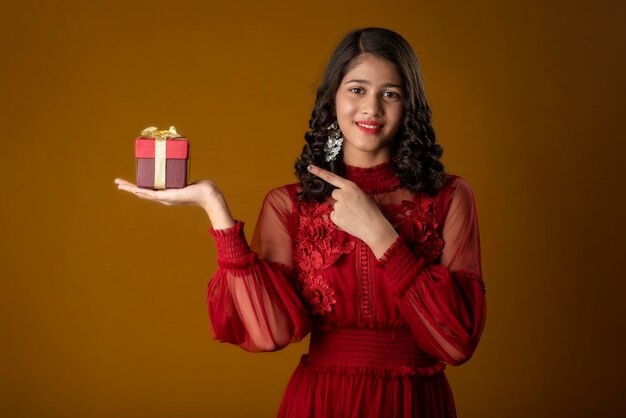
386 85
358 81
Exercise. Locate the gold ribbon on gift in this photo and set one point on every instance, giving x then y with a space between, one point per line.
160 147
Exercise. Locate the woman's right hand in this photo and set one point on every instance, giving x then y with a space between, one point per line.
203 193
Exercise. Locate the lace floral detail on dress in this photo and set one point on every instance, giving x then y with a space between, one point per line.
318 294
317 248
417 223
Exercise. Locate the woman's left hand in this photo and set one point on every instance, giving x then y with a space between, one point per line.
357 214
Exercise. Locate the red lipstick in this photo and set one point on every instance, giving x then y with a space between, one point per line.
371 127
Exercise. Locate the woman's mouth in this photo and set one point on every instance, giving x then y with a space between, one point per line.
369 127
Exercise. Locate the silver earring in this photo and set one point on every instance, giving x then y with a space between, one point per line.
333 144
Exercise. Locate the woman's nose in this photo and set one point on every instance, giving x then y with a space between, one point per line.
372 105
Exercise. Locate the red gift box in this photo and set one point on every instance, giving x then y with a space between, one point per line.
162 163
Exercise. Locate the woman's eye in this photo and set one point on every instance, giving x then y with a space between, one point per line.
356 90
391 94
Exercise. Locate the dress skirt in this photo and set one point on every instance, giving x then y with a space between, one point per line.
366 374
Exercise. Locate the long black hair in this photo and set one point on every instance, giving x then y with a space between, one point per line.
415 155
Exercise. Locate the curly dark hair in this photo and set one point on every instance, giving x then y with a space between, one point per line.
415 155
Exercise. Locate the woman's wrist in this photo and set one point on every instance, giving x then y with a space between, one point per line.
382 237
217 209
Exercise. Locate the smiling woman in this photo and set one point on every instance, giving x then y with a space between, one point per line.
369 109
375 251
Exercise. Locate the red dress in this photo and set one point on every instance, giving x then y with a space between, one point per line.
382 330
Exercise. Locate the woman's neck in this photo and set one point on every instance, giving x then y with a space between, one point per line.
368 159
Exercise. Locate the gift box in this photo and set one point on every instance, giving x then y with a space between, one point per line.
162 159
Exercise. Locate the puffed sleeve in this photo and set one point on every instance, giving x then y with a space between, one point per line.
444 303
251 299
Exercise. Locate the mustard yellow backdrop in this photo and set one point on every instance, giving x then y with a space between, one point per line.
103 295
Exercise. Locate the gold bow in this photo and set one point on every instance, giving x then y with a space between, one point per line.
153 132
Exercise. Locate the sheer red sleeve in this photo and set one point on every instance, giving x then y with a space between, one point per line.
251 299
444 303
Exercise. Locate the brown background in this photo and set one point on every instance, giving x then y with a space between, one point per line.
103 295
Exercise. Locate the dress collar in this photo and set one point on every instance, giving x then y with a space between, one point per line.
377 179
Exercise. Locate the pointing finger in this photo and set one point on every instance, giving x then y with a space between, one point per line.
331 178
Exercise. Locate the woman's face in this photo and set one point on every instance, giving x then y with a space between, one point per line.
369 107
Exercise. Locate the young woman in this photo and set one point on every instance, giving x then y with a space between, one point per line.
375 251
